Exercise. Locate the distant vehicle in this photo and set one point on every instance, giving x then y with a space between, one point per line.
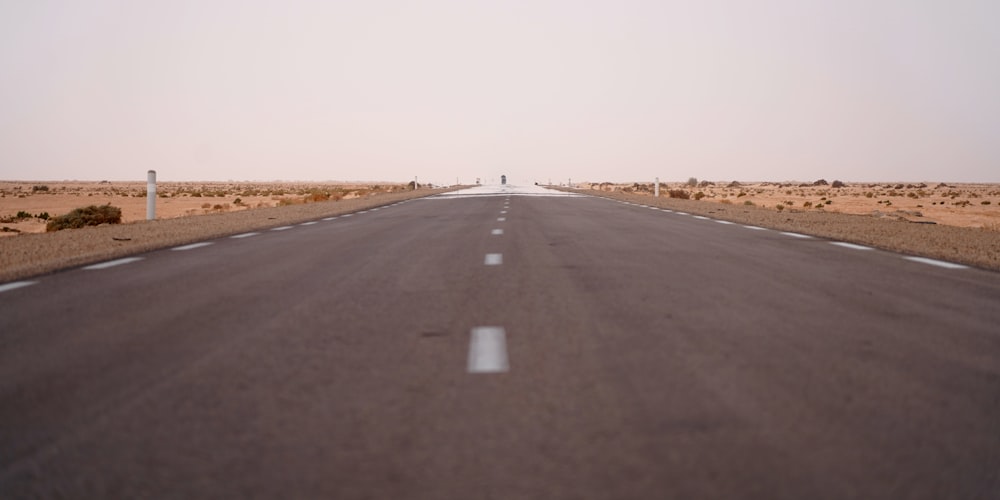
503 179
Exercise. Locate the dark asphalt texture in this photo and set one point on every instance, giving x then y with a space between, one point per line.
652 355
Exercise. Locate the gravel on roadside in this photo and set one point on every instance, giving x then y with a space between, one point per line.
27 255
976 247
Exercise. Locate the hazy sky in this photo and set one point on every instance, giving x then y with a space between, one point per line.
543 89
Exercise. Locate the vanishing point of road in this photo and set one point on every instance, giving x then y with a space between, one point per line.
503 343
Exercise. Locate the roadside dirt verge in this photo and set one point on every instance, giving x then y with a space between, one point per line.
28 255
977 247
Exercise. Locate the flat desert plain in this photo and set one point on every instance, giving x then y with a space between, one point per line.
960 205
37 201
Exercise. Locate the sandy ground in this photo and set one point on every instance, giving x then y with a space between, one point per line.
904 233
962 205
31 253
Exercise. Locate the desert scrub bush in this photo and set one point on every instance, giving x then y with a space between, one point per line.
680 194
36 189
780 207
92 215
748 203
699 195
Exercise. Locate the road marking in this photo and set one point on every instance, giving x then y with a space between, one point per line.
496 232
797 235
938 263
244 235
15 285
282 228
668 210
852 246
681 213
113 263
363 212
723 222
501 219
374 210
755 228
503 211
330 218
347 215
191 246
702 217
493 259
488 350
309 223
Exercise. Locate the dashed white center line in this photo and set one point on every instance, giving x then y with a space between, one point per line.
282 228
935 262
501 219
330 218
503 211
488 350
191 246
852 246
6 287
309 223
493 259
681 213
347 215
244 235
797 235
496 232
113 263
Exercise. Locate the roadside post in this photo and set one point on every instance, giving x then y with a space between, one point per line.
151 195
656 190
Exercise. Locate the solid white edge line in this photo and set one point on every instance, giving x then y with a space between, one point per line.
938 263
852 246
6 287
488 350
191 246
112 263
282 228
493 259
244 235
796 235
496 232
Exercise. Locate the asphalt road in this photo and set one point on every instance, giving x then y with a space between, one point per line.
628 353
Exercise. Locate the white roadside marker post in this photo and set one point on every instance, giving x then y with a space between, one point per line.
656 190
151 195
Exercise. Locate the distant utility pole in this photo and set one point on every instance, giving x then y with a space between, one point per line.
656 190
151 195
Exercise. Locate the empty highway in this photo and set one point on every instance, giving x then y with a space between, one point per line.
502 343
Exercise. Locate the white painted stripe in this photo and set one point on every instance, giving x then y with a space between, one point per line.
488 350
374 210
723 222
654 208
681 213
244 235
755 228
191 246
797 235
668 210
362 212
501 219
6 287
282 228
330 218
496 232
701 217
347 215
938 263
503 211
309 223
852 246
113 263
493 259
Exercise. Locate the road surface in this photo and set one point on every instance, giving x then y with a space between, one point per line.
503 343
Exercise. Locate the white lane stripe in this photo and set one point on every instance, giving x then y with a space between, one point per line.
309 223
347 215
501 219
755 228
191 246
330 218
723 222
244 235
488 350
701 217
282 228
797 235
668 210
852 246
15 285
681 213
113 263
935 262
496 232
363 212
493 259
503 211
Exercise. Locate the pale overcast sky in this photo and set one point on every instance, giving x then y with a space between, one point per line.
617 90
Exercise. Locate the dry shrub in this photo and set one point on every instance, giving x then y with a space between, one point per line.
679 193
87 216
